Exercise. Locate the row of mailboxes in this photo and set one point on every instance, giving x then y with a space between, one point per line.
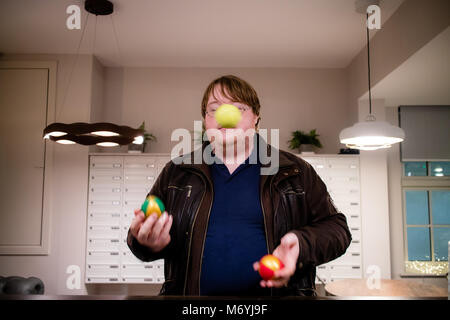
130 280
323 163
124 271
154 269
99 221
113 257
128 161
328 274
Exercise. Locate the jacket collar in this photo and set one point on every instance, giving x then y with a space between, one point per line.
189 162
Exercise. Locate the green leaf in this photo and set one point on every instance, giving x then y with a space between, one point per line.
299 137
147 136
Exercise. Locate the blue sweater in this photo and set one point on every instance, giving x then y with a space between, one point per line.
235 237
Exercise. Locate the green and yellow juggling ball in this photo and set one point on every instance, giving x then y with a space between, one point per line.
228 116
153 204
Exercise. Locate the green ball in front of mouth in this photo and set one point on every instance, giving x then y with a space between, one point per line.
228 116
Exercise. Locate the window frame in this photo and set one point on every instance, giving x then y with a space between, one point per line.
427 183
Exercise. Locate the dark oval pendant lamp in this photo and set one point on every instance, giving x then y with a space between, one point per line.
103 134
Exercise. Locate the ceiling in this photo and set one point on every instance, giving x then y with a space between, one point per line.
423 79
195 33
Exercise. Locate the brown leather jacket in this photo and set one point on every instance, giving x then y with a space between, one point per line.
294 199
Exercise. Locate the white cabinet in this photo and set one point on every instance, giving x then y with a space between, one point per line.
118 184
342 177
27 170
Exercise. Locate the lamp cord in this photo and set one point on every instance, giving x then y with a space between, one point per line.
95 36
57 114
117 41
368 62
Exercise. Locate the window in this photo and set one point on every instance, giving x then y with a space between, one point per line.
426 196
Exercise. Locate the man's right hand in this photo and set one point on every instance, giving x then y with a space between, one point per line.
151 232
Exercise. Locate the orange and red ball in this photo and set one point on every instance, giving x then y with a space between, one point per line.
268 265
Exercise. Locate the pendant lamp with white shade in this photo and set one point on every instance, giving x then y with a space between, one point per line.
371 134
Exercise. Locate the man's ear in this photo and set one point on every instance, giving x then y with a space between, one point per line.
257 122
203 128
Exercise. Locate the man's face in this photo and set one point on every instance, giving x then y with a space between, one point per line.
248 118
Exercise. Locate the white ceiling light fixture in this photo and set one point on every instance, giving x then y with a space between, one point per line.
370 134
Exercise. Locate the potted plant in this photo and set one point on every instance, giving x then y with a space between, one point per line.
139 148
304 142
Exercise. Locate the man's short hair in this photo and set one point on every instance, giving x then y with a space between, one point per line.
236 90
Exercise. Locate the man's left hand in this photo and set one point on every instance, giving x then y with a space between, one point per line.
287 252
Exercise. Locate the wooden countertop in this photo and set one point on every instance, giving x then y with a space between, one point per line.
387 288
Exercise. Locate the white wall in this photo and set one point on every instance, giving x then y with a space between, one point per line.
405 69
395 202
396 219
97 96
420 81
69 184
374 199
170 98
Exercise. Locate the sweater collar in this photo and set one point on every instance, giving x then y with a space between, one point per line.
192 161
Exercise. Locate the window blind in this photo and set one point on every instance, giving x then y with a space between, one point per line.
427 133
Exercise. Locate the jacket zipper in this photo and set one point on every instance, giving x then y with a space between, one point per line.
204 239
191 232
189 187
271 289
189 192
265 228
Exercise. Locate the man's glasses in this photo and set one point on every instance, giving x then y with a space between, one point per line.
211 110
